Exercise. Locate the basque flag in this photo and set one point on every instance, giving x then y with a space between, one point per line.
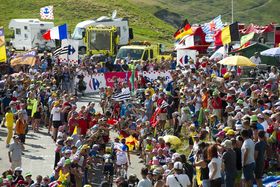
59 33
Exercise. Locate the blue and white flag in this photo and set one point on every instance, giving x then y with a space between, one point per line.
47 12
212 27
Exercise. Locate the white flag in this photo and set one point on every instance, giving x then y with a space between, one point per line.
73 49
47 12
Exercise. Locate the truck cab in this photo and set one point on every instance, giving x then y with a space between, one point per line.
141 51
125 33
101 40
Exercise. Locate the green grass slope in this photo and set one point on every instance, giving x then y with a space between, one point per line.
152 20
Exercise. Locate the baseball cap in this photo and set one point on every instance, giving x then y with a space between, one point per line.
9 177
226 129
18 169
178 165
67 162
28 174
240 101
85 146
254 118
230 132
221 133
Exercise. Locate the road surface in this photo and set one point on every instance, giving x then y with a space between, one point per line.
38 156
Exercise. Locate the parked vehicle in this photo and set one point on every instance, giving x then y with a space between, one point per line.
28 34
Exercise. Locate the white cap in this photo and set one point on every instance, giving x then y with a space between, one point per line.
178 165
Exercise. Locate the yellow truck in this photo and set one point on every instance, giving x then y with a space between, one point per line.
101 40
141 51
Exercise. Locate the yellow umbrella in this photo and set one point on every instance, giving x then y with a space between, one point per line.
237 61
174 140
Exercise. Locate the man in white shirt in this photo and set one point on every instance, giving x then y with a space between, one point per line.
145 182
178 179
248 160
256 58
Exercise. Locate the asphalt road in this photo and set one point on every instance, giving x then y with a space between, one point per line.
39 151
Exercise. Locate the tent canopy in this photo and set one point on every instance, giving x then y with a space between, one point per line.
257 47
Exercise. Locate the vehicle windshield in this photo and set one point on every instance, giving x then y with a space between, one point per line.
135 54
78 33
99 40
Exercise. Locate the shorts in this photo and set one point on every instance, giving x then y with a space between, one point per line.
121 160
37 115
259 171
56 124
29 112
15 164
108 168
248 171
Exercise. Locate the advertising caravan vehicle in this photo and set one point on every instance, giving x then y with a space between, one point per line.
28 34
142 51
125 33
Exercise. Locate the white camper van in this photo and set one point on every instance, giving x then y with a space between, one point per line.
28 34
124 32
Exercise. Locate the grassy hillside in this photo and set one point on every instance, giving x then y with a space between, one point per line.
153 20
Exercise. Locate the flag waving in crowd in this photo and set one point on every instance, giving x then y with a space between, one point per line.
212 27
58 33
47 12
227 35
3 56
184 30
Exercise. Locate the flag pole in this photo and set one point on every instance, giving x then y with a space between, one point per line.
231 11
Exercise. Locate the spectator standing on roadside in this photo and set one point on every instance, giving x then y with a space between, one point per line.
215 166
229 163
179 179
248 162
145 182
20 127
15 153
260 149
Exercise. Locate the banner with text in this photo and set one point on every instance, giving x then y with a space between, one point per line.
100 80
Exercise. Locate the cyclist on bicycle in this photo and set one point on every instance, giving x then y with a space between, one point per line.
108 170
122 156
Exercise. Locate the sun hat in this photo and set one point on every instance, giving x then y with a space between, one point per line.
227 144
